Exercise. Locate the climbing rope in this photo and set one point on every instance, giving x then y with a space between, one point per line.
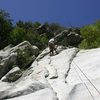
84 84
86 78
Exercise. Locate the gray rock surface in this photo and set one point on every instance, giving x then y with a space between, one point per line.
44 94
13 75
58 77
71 37
41 75
10 56
6 63
26 46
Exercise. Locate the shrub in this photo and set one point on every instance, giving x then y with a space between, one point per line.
5 28
17 35
91 35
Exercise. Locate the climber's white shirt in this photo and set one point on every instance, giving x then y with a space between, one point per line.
51 40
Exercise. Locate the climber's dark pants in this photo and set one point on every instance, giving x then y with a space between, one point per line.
52 48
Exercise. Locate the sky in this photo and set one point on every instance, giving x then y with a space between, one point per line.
65 12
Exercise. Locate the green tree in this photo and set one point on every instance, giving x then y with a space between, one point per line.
20 24
91 34
17 35
5 28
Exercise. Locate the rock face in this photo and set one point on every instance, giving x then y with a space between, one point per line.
7 61
12 75
10 56
35 50
61 35
69 75
44 94
27 47
71 36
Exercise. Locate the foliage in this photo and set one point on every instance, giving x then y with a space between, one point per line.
14 34
5 28
56 28
91 35
36 33
17 35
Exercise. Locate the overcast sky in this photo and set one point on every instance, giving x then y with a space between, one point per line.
64 12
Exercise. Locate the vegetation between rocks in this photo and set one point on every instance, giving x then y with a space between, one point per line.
38 34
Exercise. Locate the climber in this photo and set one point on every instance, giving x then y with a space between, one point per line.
52 46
